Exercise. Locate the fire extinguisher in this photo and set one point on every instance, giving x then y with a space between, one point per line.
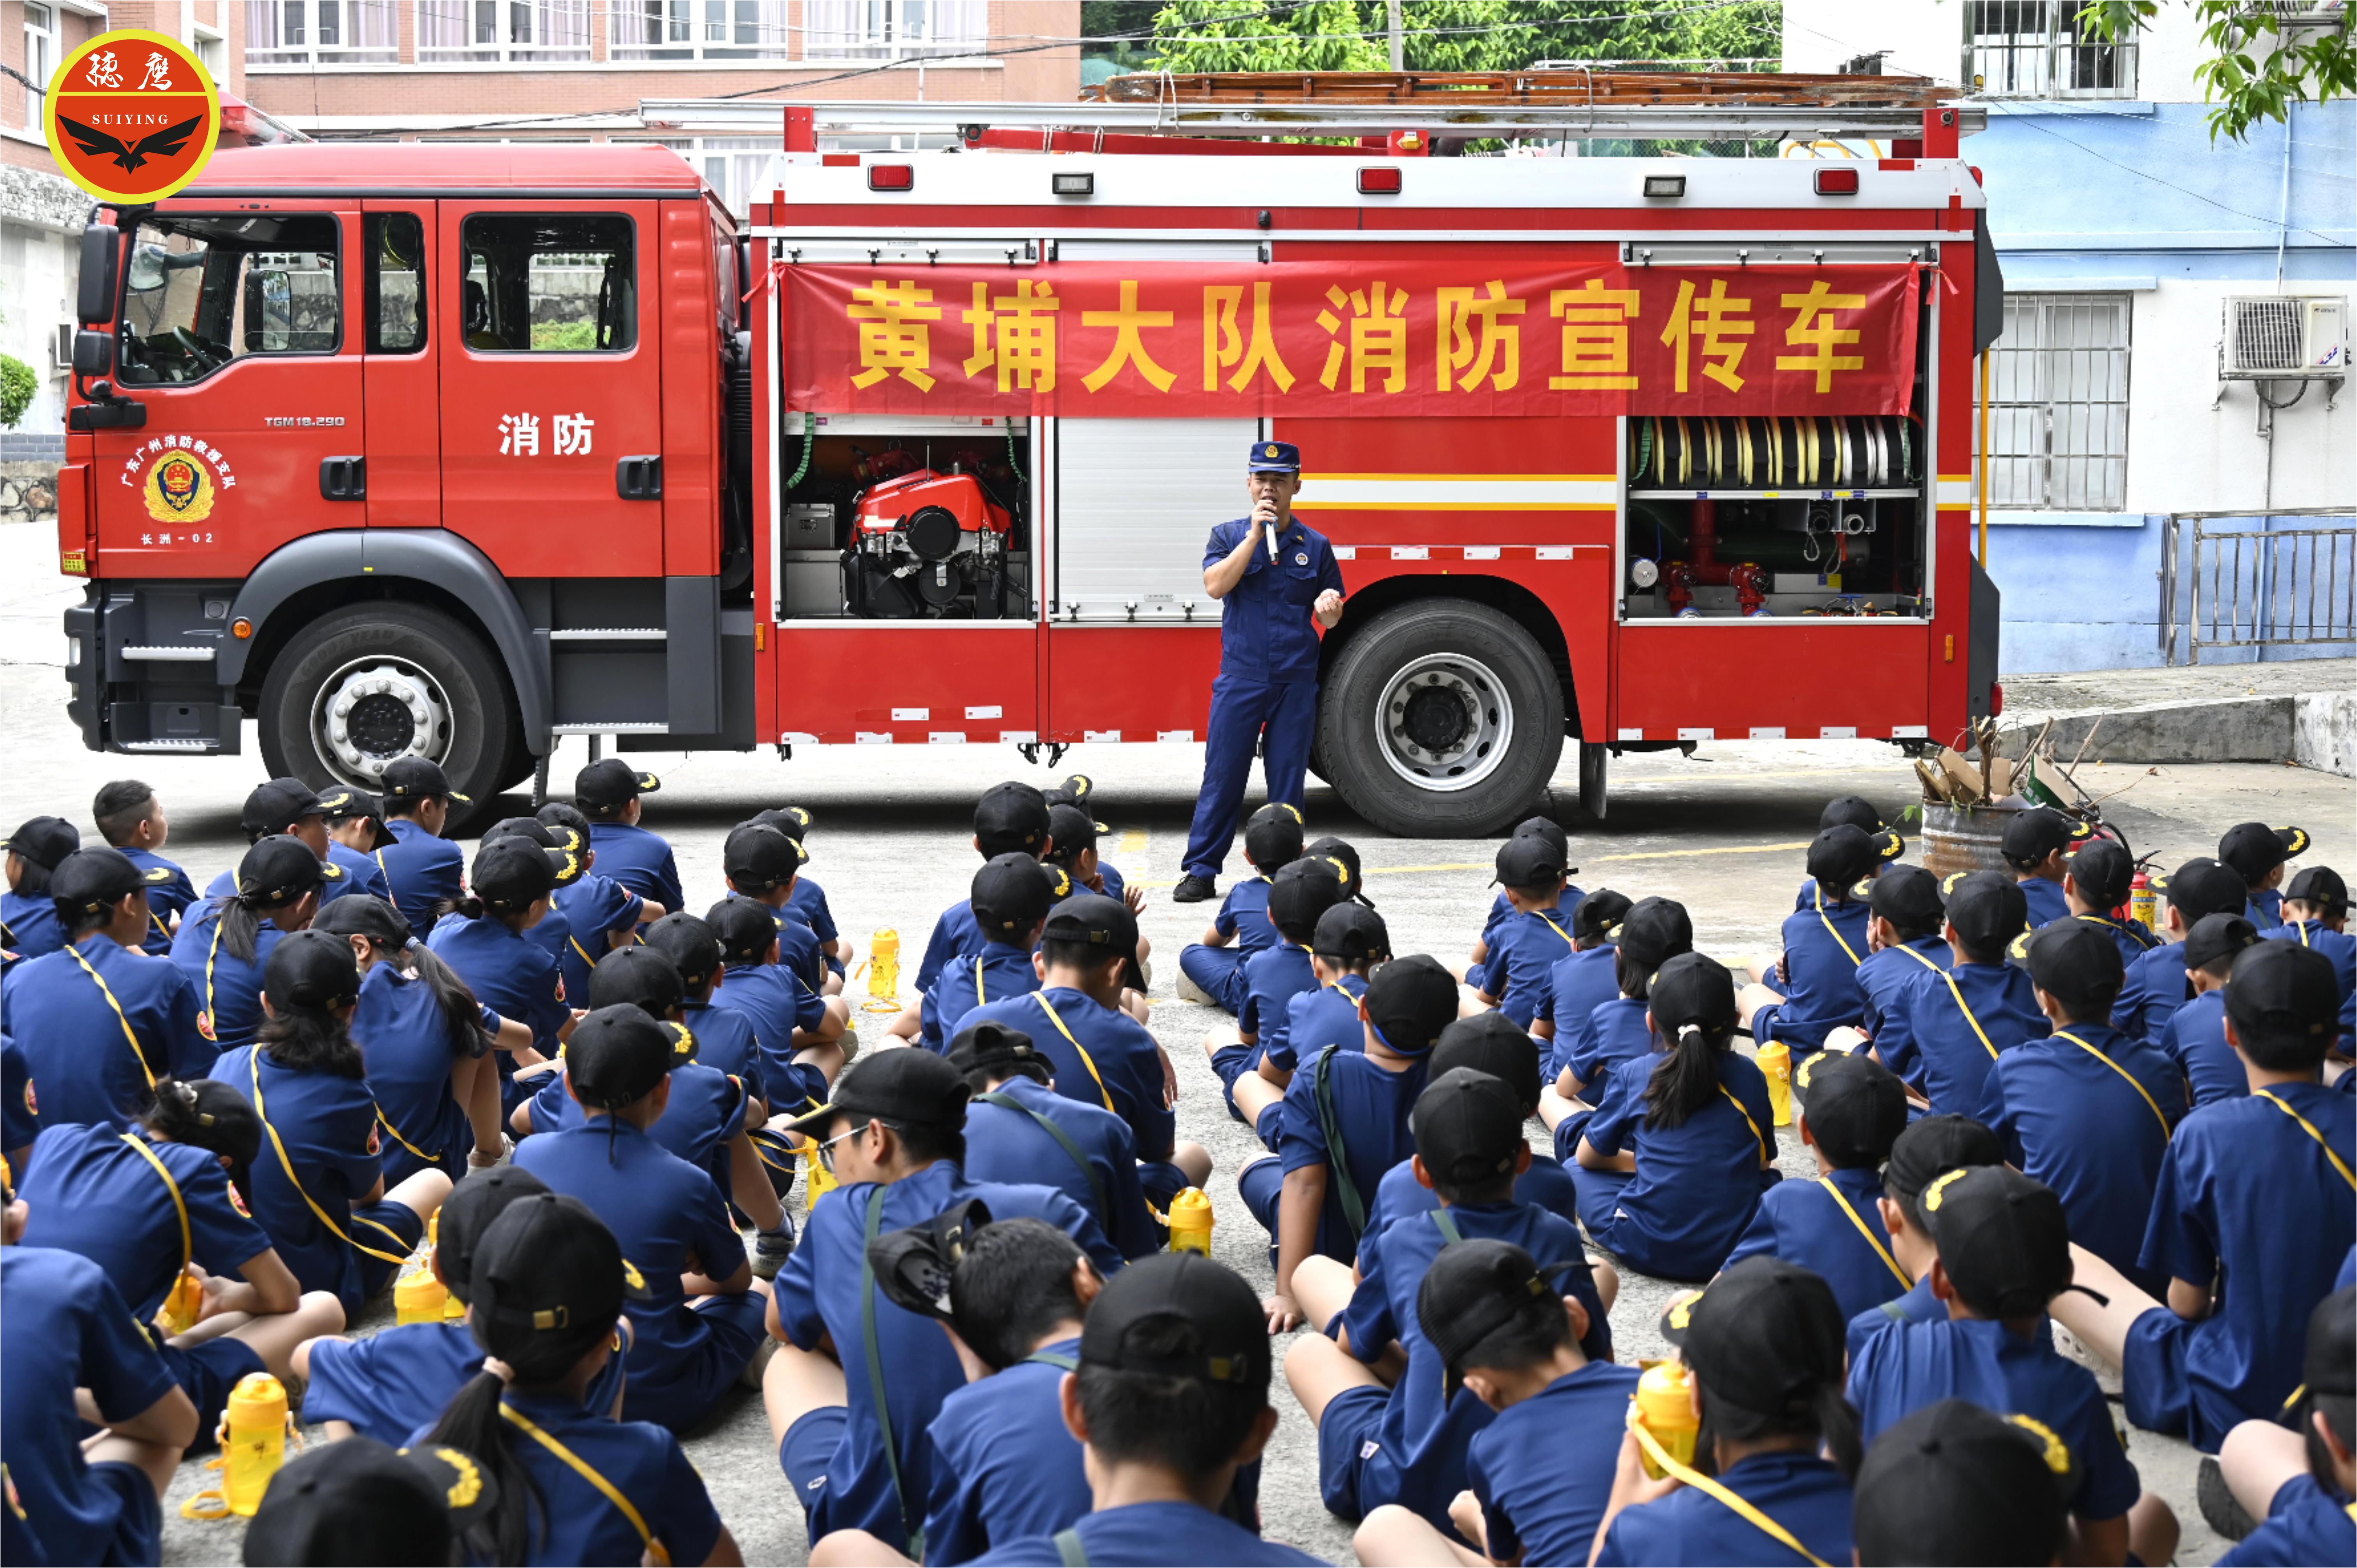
2144 904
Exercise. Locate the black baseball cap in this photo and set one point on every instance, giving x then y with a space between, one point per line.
609 783
469 1211
276 872
1093 921
2283 988
1345 854
745 927
564 857
637 976
914 1266
2320 887
1655 930
1228 1342
1011 816
1074 790
617 1055
311 969
2035 833
1841 855
1273 836
1855 1107
1550 830
2329 1365
2203 887
40 842
277 805
1851 810
1351 933
1010 894
1692 990
1301 891
1409 1001
1909 896
1471 1290
567 825
2002 1237
1933 1144
409 779
1988 909
686 939
1491 1043
87 881
909 1087
1599 913
1955 1484
999 1051
2077 960
757 859
2254 849
548 1282
342 803
360 1501
1467 1127
364 915
2104 872
1765 1335
1528 860
1072 831
2215 937
509 873
791 821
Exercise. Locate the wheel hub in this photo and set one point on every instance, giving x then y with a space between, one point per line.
1435 719
1445 722
375 711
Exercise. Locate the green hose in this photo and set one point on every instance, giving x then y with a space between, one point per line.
810 439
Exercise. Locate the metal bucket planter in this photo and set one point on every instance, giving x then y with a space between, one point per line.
1963 838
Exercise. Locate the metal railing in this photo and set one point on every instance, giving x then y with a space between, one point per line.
2257 587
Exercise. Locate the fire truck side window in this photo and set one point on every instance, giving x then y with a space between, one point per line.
559 283
396 283
205 291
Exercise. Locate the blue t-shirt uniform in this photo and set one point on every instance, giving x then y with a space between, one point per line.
2341 948
1152 1535
76 1013
1370 1106
1577 984
398 1380
1523 955
797 951
1404 1446
1243 920
69 1328
1824 945
595 909
668 1216
1831 1226
2153 987
2091 1120
807 903
2046 898
834 1456
1889 977
1543 1470
1614 1031
228 988
1326 1017
999 1471
1547 1184
2249 1189
955 934
1689 1527
1274 978
325 1126
1695 1186
641 860
1501 910
1987 1363
1918 1305
776 1003
515 977
20 1115
407 1044
1101 1056
169 891
725 1042
2195 1040
347 870
29 925
423 872
1006 1142
2305 1524
706 1109
1945 1049
998 971
2135 938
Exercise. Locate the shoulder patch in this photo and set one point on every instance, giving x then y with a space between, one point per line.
237 1201
159 874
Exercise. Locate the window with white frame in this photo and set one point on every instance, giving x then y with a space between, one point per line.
41 56
2040 49
494 31
892 30
321 32
2059 403
695 29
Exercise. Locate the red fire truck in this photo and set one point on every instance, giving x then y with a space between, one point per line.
456 450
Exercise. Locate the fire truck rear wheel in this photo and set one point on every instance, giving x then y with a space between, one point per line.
359 688
1442 718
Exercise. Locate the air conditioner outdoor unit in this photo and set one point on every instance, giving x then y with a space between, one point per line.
2285 337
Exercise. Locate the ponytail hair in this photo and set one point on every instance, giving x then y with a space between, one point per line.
1683 1082
466 906
471 1422
309 1039
241 924
209 1115
1634 977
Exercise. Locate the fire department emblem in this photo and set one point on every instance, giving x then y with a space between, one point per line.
179 488
237 1201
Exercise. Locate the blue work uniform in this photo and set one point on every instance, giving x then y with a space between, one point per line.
807 903
999 1470
2341 948
401 1378
1824 946
955 934
1946 1050
1918 1305
169 891
2264 909
327 1127
228 988
641 860
1578 984
706 1109
1547 1184
2305 1524
1369 1104
1501 910
30 926
2047 901
1888 977
1614 1031
1273 978
1543 1470
2010 1374
61 1009
1800 1492
798 950
553 934
1265 696
1012 1143
409 1048
1404 1444
2153 987
68 1329
1521 963
1833 1228
1243 920
2134 937
726 1042
1152 1535
776 1003
596 909
1695 1186
361 874
2252 1193
2094 1124
668 1217
999 971
513 976
2195 1040
20 1108
834 1456
1326 1017
1101 1056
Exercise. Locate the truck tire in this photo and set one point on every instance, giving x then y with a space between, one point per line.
1442 719
363 686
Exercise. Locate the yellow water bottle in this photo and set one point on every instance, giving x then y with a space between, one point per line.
884 966
1775 1061
253 1440
181 1305
419 1296
1663 1406
453 1309
817 1180
1190 1222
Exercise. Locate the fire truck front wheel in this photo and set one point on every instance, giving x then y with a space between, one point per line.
1442 717
363 686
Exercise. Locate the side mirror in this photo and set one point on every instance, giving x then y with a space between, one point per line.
101 277
93 353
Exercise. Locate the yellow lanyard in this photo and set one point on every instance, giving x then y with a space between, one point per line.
2310 1127
2301 926
1766 1158
582 950
205 1018
2141 1092
1957 991
1830 928
179 1203
386 1122
582 1469
979 997
381 871
1879 1250
1710 1488
1086 1061
1558 930
106 991
254 1061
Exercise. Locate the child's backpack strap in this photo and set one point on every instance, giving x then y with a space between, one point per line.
1063 1140
912 1525
1338 1162
1071 1550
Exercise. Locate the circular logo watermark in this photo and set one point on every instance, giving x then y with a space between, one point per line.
131 116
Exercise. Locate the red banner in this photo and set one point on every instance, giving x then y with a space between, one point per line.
1426 337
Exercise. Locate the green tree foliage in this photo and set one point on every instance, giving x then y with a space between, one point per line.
18 386
1457 35
2253 72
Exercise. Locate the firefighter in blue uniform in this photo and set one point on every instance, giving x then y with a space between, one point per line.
1276 576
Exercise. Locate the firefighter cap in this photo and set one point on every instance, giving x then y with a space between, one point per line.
1274 457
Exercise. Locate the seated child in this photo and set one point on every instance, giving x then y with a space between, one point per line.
421 868
1211 971
485 940
1905 934
2258 853
1475 972
1931 1146
2253 1204
1009 818
28 920
2195 1035
2036 847
608 792
725 1039
1853 812
1350 939
2316 915
1011 895
763 864
1354 877
2004 1254
1584 978
808 903
132 819
2155 986
1298 894
600 914
2098 879
1586 1049
1955 1484
1954 1022
1018 1129
1816 988
1848 1111
790 1019
1525 947
554 930
2299 1481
